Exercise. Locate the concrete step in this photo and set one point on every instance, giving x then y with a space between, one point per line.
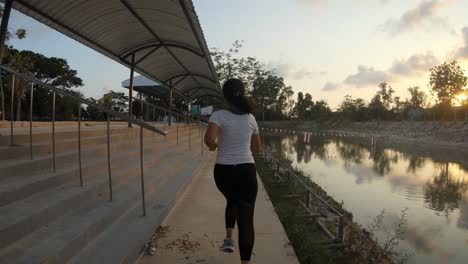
124 240
65 236
44 163
44 148
44 134
68 156
24 216
16 188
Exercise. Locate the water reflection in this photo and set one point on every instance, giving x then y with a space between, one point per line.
445 191
433 184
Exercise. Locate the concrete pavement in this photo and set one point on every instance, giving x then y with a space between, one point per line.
195 228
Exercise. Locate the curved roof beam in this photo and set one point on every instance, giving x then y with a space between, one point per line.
157 44
190 74
155 36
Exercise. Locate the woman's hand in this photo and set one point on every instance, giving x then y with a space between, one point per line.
213 147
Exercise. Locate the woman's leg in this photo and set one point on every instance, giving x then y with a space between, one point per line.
246 205
223 181
230 216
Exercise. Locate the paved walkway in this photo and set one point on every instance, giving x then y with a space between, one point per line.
196 228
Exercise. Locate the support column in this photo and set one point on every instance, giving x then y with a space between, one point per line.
130 89
4 27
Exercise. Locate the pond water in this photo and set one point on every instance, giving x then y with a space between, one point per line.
431 185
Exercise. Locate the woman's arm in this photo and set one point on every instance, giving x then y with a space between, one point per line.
255 144
211 135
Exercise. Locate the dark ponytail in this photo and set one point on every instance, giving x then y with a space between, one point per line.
234 93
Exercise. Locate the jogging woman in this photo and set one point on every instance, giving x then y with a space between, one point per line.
234 132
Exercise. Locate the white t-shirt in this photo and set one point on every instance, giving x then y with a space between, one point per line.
234 137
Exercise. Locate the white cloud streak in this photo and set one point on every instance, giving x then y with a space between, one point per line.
462 53
287 70
330 86
426 13
367 76
414 66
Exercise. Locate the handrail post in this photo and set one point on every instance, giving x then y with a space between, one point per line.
53 131
12 108
308 198
170 105
141 159
340 237
201 139
31 97
79 144
177 128
189 135
154 118
165 125
109 158
141 174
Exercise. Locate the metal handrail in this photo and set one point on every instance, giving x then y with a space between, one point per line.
143 125
173 111
188 116
341 218
83 101
108 112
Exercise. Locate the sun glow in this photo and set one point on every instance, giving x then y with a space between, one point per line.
461 99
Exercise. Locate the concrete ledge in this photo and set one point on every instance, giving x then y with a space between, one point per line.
197 221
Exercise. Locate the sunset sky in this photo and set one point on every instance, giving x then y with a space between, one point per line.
328 48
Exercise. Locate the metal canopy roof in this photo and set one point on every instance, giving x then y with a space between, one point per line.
163 38
146 86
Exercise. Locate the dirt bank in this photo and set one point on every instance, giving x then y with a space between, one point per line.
443 134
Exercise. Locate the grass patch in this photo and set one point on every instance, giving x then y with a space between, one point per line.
303 233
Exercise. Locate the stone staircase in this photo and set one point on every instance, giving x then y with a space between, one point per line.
47 217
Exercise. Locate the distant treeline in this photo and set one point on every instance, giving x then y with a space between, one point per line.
274 100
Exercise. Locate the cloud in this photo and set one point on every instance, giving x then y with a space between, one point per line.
462 53
425 13
287 70
330 86
423 240
367 76
414 65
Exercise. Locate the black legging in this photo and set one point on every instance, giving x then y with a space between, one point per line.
238 183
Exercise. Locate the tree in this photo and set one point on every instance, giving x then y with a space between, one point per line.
230 65
268 93
353 109
303 106
50 70
267 90
417 98
446 81
320 109
115 101
386 95
20 34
